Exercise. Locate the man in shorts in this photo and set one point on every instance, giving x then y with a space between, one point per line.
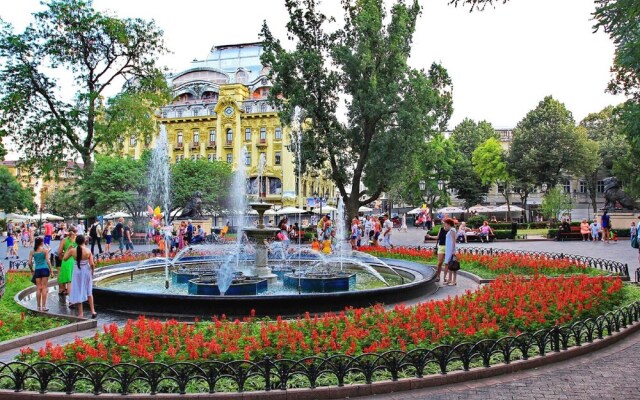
118 234
48 232
387 230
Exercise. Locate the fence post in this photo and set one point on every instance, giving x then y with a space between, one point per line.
555 333
267 373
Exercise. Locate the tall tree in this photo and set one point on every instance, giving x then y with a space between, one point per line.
391 107
65 202
99 51
555 202
468 135
467 184
14 197
210 178
546 143
490 163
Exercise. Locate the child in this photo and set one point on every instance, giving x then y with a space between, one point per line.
15 244
10 246
595 231
315 245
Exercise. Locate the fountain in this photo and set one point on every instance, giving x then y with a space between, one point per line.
238 278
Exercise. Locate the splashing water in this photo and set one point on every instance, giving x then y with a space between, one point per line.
262 162
339 223
159 187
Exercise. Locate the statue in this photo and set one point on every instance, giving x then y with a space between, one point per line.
615 197
193 209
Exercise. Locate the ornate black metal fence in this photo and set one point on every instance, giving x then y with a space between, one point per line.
18 264
203 377
615 267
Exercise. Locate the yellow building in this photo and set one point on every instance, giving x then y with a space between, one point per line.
43 186
220 106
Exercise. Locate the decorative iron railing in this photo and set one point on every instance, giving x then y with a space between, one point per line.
615 267
269 374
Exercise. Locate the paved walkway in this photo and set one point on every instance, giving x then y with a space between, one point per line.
611 373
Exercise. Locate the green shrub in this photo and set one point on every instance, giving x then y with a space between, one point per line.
476 221
538 225
503 233
308 236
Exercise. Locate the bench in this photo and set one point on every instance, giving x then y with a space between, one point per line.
474 237
573 234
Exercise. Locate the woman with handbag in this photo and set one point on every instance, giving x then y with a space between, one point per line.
451 263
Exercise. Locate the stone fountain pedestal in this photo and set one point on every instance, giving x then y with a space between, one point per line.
260 234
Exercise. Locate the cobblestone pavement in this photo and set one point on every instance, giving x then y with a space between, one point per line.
611 373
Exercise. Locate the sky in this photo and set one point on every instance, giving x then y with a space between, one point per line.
503 61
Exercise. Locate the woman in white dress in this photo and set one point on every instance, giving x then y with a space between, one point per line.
82 288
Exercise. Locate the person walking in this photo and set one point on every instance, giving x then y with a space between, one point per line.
80 228
368 230
10 250
108 236
605 224
584 230
128 234
449 252
118 234
65 273
82 289
95 234
39 259
441 241
377 228
387 229
48 232
462 233
355 233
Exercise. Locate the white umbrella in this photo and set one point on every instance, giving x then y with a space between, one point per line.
50 217
365 209
268 212
415 211
291 210
324 209
17 217
480 209
451 210
503 208
118 214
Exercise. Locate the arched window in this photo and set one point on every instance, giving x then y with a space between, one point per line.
229 136
179 137
263 107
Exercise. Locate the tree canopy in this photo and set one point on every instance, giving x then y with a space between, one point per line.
468 135
391 107
13 197
98 51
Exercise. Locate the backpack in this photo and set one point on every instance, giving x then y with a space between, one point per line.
634 241
93 232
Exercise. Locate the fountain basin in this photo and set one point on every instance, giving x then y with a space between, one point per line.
320 282
419 282
208 286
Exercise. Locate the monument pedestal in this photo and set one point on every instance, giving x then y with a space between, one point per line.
622 219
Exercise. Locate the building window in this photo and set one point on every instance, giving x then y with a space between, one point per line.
277 158
263 107
195 112
210 157
248 109
229 136
229 158
567 187
193 157
247 159
179 137
278 133
247 134
212 136
179 113
583 187
500 188
263 135
132 141
164 114
196 137
600 187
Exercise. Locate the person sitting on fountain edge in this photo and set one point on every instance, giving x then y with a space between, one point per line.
199 237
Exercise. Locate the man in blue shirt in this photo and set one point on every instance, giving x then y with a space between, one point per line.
605 223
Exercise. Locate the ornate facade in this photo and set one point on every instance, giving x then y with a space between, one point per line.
220 106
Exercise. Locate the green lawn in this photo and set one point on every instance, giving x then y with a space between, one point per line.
541 232
15 320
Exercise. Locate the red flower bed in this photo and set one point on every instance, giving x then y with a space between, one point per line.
510 305
499 263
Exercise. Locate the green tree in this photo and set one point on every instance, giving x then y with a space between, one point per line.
606 148
555 202
546 144
210 178
98 51
117 183
13 197
490 163
392 108
65 202
468 135
467 183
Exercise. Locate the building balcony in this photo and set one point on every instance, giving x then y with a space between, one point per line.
211 145
228 145
195 145
177 146
262 143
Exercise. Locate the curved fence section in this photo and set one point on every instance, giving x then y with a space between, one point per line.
614 267
268 374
